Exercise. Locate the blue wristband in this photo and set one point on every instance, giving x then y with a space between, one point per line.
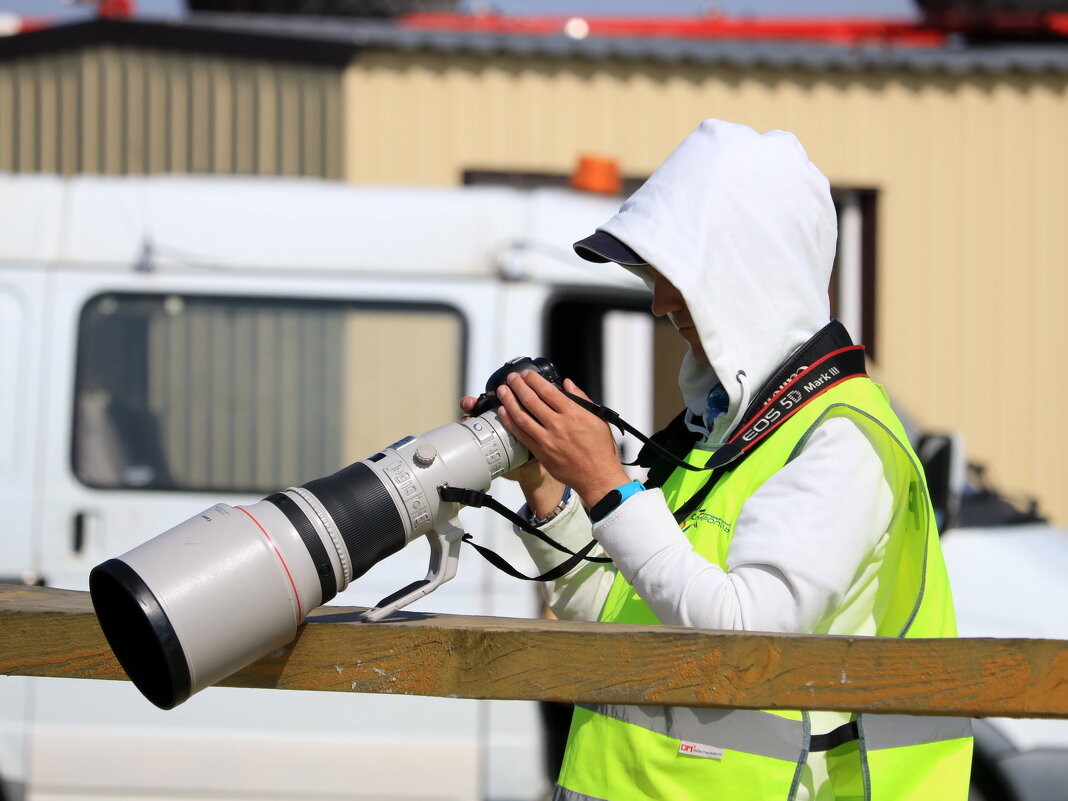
610 502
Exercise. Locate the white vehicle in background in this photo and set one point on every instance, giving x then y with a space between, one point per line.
170 343
1008 581
1007 567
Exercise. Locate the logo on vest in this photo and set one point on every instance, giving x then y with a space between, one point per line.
698 750
704 517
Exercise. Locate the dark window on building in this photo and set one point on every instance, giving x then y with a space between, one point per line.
853 282
534 180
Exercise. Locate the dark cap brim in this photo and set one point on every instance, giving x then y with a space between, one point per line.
601 247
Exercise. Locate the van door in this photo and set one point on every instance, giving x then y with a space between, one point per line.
22 307
171 392
165 401
21 327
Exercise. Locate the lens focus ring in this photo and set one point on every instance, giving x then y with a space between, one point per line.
324 569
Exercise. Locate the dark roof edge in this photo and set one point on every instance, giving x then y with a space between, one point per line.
335 42
180 35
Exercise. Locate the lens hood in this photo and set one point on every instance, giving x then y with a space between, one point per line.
140 634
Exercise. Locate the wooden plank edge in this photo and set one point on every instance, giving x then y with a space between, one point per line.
48 632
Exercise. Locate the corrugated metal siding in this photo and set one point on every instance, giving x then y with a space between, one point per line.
971 171
120 110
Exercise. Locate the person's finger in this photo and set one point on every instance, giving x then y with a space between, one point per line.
547 392
516 420
573 388
467 403
528 397
516 413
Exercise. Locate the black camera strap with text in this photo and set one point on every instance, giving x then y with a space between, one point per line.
829 371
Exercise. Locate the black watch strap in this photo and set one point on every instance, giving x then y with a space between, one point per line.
600 510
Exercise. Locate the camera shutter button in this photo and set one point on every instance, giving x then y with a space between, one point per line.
425 455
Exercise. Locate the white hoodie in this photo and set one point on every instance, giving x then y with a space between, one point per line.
743 225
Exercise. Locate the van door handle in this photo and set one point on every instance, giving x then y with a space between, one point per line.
78 538
83 530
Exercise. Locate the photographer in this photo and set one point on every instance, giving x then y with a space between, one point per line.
824 528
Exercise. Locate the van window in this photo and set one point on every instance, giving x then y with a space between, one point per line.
189 392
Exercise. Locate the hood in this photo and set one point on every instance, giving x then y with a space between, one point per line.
743 225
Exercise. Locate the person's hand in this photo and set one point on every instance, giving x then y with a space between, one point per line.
573 445
541 490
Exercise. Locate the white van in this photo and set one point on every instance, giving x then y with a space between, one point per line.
169 343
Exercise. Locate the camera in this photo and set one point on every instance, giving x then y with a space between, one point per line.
488 399
232 584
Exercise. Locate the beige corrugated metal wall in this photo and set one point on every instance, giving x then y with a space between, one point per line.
116 110
971 171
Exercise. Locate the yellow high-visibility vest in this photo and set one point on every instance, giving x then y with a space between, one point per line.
657 753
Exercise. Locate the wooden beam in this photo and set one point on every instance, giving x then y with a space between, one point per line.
48 632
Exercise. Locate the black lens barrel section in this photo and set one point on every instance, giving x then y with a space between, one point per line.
140 634
364 512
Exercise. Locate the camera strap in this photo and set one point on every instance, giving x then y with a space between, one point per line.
826 360
478 499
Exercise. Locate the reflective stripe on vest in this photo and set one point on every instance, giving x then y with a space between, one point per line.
898 731
764 734
563 794
751 731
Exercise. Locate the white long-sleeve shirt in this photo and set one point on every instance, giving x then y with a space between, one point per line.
803 558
